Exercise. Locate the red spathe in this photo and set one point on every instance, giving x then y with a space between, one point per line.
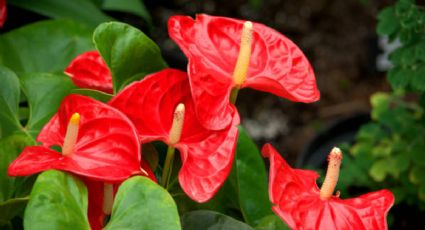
88 70
206 155
107 148
212 46
296 199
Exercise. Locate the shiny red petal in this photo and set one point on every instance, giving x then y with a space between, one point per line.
207 162
206 155
3 12
107 147
211 44
297 201
35 159
88 70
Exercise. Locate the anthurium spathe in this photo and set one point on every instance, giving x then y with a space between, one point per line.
302 205
3 12
227 54
97 141
161 107
89 70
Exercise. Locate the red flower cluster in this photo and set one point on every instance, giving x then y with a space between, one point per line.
195 114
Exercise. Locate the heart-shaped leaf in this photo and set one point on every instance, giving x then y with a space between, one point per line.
46 46
58 201
204 219
142 204
127 51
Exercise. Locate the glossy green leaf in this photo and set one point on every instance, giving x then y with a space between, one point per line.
45 93
271 222
95 94
127 51
142 204
135 7
9 102
10 148
84 11
46 46
205 219
58 201
252 180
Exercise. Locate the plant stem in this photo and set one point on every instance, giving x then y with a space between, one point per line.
168 166
234 95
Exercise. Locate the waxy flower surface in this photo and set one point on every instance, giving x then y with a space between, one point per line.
228 54
299 202
154 104
89 70
3 12
97 141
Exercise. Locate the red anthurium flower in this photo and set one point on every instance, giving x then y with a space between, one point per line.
3 12
161 107
302 205
88 70
226 54
98 142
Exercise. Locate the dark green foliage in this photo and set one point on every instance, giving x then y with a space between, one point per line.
390 150
405 21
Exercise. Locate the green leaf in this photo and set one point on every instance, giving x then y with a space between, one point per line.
127 51
11 208
272 222
95 94
45 93
417 153
58 201
135 7
142 204
399 77
9 102
204 219
379 170
418 78
10 148
252 180
46 46
416 175
84 11
387 22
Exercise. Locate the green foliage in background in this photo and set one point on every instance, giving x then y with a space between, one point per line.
390 150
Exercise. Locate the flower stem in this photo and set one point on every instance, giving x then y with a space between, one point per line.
234 95
168 167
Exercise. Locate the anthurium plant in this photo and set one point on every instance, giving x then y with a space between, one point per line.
98 133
